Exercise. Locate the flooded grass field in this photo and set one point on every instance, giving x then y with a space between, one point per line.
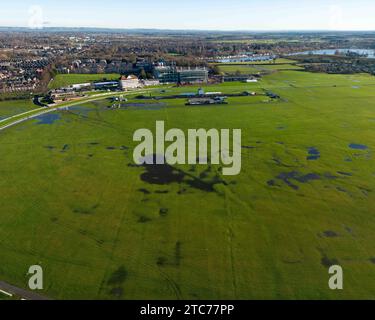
74 202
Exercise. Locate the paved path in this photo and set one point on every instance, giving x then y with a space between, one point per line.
22 117
10 291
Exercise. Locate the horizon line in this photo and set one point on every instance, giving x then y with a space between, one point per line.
186 30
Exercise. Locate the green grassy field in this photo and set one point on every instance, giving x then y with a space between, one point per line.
73 202
64 80
13 107
255 68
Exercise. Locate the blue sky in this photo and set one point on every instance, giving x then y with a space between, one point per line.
193 14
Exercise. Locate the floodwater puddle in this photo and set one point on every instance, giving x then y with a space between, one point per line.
165 174
314 154
357 146
288 177
143 106
48 118
81 110
292 178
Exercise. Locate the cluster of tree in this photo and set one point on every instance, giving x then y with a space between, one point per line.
337 64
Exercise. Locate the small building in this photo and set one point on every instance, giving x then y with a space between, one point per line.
149 83
234 78
129 82
251 81
109 85
81 86
206 101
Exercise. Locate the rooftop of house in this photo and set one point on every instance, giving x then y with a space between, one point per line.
130 77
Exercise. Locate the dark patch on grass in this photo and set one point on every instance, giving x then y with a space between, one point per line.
94 143
124 148
349 230
161 191
82 232
193 169
162 261
328 262
330 176
144 219
347 174
248 147
49 147
144 191
182 191
372 260
365 191
341 189
118 277
100 242
86 211
208 186
271 183
280 163
65 148
176 262
163 212
111 148
117 292
203 175
162 174
330 234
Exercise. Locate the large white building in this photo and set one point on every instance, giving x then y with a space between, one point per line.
129 82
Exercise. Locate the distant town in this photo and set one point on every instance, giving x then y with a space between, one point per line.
30 62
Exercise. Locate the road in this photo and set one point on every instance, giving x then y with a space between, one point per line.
22 117
10 291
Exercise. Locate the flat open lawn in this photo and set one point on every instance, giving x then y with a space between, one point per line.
64 80
13 107
255 68
73 202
